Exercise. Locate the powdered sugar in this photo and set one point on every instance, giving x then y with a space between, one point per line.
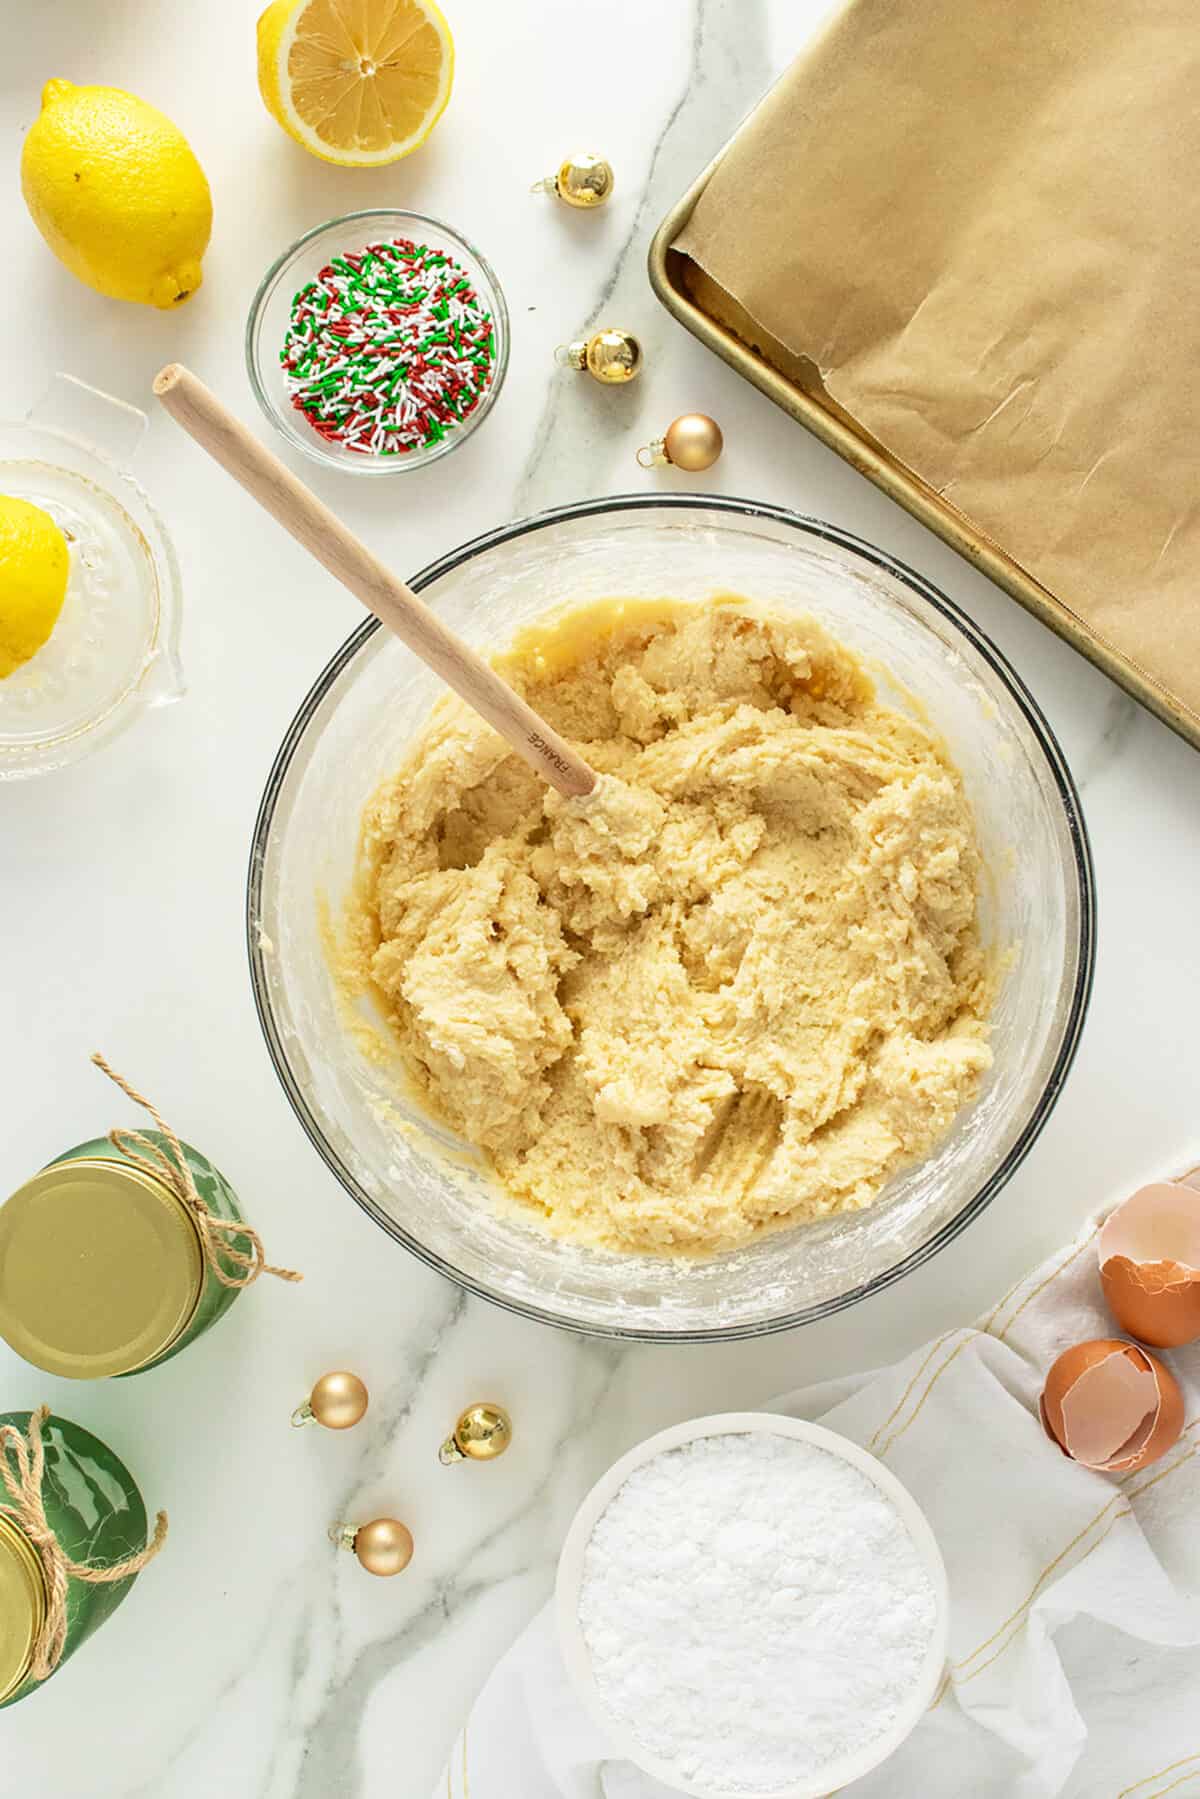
754 1608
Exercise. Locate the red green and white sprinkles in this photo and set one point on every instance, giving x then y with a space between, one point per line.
388 349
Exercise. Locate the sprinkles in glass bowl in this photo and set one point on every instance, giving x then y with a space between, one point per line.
388 349
378 342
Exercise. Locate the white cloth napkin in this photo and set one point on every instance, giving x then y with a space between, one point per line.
1074 1660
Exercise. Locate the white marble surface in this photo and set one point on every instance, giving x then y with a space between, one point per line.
251 1661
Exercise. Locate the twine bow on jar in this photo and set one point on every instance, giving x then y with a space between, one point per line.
27 1510
216 1234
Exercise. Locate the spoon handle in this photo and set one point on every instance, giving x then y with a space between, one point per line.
195 407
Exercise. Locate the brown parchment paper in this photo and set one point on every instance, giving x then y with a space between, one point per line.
976 225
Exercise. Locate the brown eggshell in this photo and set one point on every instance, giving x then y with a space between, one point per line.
1156 1301
1062 1376
1111 1406
1149 1253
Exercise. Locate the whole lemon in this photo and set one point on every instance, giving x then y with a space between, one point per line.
34 566
117 194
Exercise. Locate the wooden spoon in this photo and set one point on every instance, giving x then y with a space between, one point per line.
192 405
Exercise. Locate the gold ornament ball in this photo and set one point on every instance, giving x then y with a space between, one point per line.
614 357
611 357
483 1432
693 441
584 181
338 1400
384 1546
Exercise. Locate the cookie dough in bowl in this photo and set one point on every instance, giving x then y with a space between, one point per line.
362 1085
735 988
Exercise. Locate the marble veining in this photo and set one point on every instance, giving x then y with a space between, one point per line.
727 69
1120 719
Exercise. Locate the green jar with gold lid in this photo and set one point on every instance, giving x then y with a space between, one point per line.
107 1264
92 1507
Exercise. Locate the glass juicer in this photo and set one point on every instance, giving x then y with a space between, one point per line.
115 649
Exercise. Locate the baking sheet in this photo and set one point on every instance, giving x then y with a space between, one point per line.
963 249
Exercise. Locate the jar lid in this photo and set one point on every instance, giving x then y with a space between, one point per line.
22 1605
101 1269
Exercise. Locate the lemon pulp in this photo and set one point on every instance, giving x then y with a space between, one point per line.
359 82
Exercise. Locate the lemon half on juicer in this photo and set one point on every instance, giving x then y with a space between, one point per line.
34 567
357 82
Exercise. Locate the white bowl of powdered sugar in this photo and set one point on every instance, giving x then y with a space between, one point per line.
752 1607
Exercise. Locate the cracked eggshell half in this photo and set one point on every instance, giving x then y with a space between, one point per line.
1111 1406
1150 1264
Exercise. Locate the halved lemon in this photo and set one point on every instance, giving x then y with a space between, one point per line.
357 82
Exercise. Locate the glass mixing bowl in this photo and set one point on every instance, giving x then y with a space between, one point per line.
428 1189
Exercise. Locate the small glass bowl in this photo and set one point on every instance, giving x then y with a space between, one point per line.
267 326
